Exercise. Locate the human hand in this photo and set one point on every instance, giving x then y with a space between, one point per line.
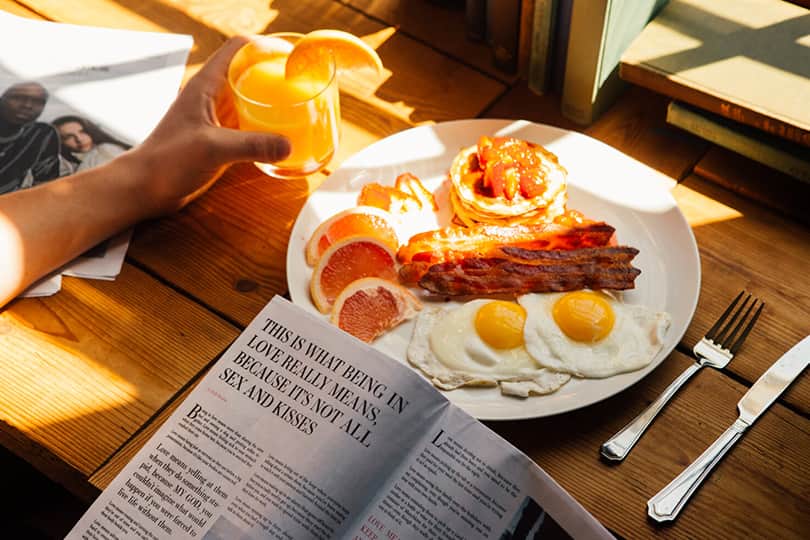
190 148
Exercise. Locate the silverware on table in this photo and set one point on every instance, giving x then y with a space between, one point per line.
715 349
668 502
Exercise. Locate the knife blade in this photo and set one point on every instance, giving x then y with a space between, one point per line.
774 381
667 503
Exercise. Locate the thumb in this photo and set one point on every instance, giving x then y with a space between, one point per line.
234 145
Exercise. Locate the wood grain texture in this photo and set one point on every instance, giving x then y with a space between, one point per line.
13 7
228 248
760 490
82 370
440 25
745 246
755 181
635 125
102 477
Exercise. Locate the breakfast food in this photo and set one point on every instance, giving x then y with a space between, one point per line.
507 181
509 236
590 334
522 271
346 261
535 345
407 196
457 243
369 307
357 221
465 347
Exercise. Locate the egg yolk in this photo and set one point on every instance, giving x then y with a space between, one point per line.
584 316
500 324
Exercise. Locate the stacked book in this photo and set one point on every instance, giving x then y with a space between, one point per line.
571 48
738 73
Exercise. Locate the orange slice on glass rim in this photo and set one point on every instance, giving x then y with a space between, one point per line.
313 51
348 260
369 307
359 220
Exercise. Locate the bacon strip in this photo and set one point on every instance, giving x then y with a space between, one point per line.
458 243
526 271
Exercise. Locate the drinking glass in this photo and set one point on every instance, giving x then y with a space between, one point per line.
305 108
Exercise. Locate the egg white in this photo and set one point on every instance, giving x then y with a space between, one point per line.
635 339
447 349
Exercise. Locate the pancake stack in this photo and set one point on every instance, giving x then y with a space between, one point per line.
474 203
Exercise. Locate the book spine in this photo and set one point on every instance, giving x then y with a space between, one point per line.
525 37
503 27
738 141
475 18
540 58
662 84
559 44
588 26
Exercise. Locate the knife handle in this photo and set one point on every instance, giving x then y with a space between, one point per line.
667 503
617 447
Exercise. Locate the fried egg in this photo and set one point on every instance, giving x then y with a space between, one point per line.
479 344
591 334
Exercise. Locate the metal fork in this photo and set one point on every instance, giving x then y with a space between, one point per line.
715 349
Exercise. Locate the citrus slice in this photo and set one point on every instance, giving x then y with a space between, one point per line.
360 220
313 50
369 307
347 260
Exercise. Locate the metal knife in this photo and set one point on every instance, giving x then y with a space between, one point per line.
668 502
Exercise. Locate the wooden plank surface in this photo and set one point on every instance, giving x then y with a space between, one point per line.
439 24
745 246
10 6
105 474
82 370
760 490
755 181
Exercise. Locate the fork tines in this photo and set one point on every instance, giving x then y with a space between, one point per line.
722 337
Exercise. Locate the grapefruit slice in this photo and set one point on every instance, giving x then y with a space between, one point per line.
361 220
369 307
312 52
348 260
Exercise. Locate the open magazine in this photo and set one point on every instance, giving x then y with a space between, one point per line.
301 431
77 103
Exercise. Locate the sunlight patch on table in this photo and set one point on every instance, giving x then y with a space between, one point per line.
700 209
52 384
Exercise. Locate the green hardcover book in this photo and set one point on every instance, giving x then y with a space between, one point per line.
745 60
779 154
600 32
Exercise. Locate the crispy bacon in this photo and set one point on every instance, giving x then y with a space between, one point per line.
522 271
458 243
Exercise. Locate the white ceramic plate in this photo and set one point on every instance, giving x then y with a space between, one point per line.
604 184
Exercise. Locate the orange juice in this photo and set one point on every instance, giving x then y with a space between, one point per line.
305 109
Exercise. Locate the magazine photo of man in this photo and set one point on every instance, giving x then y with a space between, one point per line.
29 149
531 522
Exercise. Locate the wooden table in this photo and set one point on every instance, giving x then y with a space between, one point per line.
88 374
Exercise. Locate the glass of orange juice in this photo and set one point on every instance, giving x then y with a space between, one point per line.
304 108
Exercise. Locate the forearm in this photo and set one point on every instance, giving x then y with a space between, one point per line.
43 228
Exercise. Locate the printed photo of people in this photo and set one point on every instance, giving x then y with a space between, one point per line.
41 139
531 522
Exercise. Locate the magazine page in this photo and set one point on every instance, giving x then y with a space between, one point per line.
48 285
465 481
78 103
293 430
